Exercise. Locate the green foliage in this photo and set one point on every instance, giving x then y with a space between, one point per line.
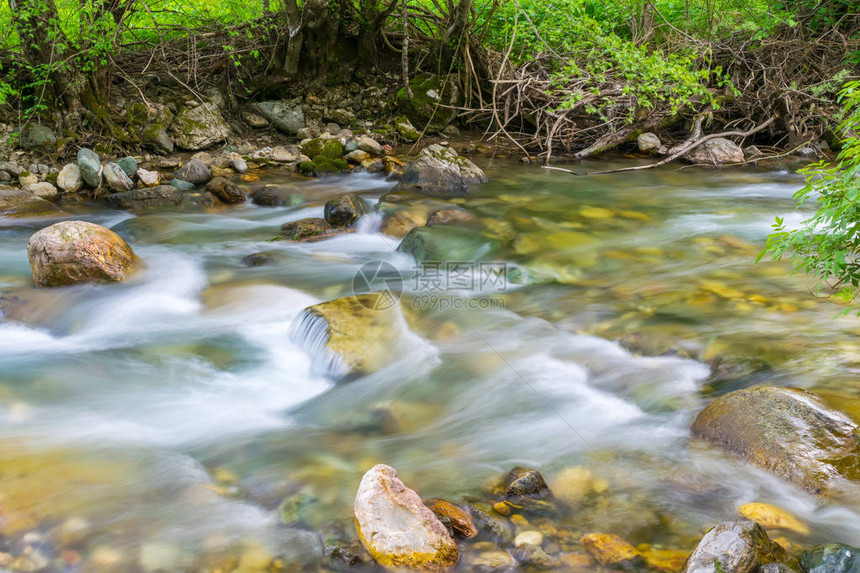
827 245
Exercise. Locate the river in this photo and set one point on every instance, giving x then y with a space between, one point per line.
161 422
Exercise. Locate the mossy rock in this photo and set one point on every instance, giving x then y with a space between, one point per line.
155 137
357 335
137 115
788 431
307 167
330 148
831 558
404 127
433 102
344 210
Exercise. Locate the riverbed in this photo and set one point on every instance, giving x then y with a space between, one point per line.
168 418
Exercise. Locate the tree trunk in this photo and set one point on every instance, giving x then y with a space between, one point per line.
46 49
295 37
456 34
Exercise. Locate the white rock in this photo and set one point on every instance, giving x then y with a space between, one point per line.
282 154
648 143
116 178
370 145
44 190
717 151
149 178
399 531
27 178
529 537
69 178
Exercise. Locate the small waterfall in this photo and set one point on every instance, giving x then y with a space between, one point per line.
310 332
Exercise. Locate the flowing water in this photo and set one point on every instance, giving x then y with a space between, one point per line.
162 422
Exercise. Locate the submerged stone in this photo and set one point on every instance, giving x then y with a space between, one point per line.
612 551
447 243
453 517
274 196
525 482
773 517
831 558
226 191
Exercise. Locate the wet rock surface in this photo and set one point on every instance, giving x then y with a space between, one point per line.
831 558
439 171
346 209
76 251
737 546
398 530
787 431
23 204
158 197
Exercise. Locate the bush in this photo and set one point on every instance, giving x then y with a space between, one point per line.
827 245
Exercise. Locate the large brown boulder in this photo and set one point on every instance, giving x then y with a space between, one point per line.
398 530
787 431
72 252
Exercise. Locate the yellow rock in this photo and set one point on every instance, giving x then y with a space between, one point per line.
666 560
225 476
255 558
609 549
617 255
634 215
502 508
595 213
721 289
519 520
573 484
577 561
790 546
654 251
773 517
